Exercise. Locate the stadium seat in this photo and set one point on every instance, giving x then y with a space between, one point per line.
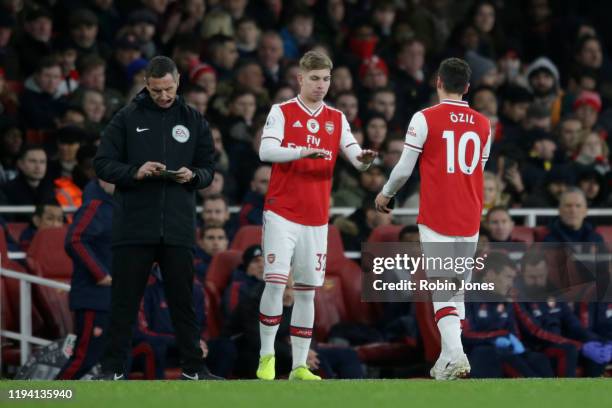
10 321
329 307
335 252
12 288
214 321
246 236
15 229
605 232
221 267
539 233
47 258
523 234
385 233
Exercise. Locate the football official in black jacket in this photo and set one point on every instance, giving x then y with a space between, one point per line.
157 151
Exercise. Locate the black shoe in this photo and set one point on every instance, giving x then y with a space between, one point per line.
203 374
108 377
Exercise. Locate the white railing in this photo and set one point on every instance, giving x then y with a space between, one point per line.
530 214
24 336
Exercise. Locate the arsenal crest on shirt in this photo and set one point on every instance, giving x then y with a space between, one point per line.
329 127
271 258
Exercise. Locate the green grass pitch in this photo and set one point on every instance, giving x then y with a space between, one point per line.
524 393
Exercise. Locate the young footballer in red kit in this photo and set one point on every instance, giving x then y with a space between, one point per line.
302 138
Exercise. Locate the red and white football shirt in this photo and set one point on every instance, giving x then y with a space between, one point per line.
453 140
300 190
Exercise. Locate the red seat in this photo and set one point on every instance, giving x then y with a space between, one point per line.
539 233
335 251
246 236
220 269
605 232
15 229
523 234
47 258
385 233
329 307
12 289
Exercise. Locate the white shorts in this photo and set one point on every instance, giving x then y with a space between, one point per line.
287 244
428 235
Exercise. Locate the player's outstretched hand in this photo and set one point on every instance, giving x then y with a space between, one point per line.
367 156
312 154
381 203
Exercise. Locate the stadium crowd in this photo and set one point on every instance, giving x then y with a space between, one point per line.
540 73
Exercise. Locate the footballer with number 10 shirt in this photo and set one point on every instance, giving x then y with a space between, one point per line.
453 142
302 138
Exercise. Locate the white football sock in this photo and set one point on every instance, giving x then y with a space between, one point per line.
449 325
270 312
302 321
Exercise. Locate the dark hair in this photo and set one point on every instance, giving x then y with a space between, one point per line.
381 90
86 151
495 209
455 75
89 62
480 89
47 62
497 261
239 92
532 257
28 148
215 197
40 208
159 66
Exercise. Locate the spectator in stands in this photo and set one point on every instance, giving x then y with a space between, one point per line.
238 125
483 100
540 158
587 107
41 102
250 77
515 101
374 73
244 278
212 240
341 81
9 59
143 24
247 37
215 211
370 181
571 226
492 195
11 142
88 243
35 43
500 226
9 101
410 77
47 215
30 187
556 181
92 75
393 150
569 131
549 324
348 104
126 51
593 152
93 104
204 75
184 19
68 140
376 128
156 330
544 82
83 25
197 98
357 227
490 328
298 34
251 212
84 171
382 101
223 56
216 187
594 187
270 56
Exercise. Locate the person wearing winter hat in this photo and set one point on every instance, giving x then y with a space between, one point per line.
204 75
543 82
244 278
484 70
374 73
587 107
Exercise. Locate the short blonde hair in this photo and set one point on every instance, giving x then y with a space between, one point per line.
314 60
